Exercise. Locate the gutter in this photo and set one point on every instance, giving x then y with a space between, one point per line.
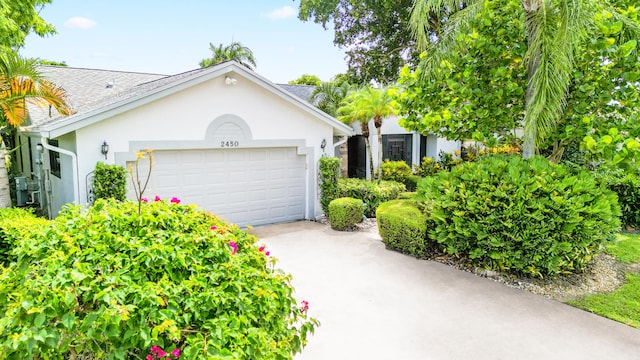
74 162
340 142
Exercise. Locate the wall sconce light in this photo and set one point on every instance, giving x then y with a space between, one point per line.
323 144
40 148
230 81
104 149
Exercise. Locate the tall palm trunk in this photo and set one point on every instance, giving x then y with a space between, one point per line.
364 124
530 7
377 121
5 194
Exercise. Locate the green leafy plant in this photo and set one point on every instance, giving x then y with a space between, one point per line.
403 227
525 216
628 189
428 167
371 193
329 175
400 172
97 285
345 212
109 181
17 225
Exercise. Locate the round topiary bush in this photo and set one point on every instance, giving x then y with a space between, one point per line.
345 212
108 282
527 216
403 227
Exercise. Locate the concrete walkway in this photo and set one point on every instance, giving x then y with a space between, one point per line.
378 304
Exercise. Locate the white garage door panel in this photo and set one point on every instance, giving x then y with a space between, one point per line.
244 186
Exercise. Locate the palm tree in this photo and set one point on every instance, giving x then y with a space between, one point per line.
329 95
234 51
351 113
370 103
21 84
554 31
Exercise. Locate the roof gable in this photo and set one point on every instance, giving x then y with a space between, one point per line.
130 90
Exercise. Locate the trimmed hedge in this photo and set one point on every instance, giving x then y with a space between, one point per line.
372 193
527 216
17 225
329 168
345 212
628 190
109 182
403 227
399 171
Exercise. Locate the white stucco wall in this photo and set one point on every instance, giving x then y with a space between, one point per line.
185 116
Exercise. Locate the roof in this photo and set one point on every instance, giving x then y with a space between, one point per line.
99 94
304 92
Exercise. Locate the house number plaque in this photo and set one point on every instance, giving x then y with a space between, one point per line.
229 144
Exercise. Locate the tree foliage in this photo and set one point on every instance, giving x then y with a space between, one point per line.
306 79
479 85
19 18
234 51
376 35
328 96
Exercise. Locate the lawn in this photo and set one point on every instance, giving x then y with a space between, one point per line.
622 305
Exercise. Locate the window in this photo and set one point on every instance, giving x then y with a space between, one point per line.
54 159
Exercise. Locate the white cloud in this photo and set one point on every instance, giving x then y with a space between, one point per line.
78 22
282 13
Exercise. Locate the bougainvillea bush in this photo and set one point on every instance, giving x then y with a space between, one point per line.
108 282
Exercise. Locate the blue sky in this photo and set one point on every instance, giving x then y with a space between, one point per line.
169 37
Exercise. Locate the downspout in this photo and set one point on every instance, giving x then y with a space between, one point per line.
74 162
340 142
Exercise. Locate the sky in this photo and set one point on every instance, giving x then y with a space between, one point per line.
170 37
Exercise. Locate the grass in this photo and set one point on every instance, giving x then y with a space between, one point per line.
622 305
626 249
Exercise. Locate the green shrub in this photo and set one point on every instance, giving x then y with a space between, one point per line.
109 182
428 167
111 282
17 225
372 193
403 227
329 174
628 189
407 195
526 216
399 171
345 212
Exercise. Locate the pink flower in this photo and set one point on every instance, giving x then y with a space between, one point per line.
157 351
144 200
267 253
261 248
175 200
157 198
149 357
176 353
214 227
305 306
233 246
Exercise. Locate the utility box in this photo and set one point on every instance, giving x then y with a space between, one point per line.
22 195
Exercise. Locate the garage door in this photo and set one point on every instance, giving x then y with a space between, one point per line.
244 186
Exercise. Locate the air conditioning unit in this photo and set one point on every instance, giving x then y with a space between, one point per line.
22 195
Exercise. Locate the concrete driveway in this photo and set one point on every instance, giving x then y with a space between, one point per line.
378 304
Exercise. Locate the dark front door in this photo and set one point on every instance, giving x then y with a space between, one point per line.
397 147
357 152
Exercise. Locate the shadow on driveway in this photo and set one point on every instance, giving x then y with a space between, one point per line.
378 304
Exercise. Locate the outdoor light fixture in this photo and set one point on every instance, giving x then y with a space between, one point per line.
230 81
39 147
323 144
104 149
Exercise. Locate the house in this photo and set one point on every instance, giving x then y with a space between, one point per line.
223 138
397 144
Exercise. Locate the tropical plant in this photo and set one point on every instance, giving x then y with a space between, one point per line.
234 51
329 95
554 33
109 182
19 19
306 79
21 84
370 103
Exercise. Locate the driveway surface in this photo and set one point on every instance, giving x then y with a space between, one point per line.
378 304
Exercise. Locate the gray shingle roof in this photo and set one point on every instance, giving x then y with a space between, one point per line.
87 87
93 89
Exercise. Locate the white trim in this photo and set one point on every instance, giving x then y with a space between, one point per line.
74 165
